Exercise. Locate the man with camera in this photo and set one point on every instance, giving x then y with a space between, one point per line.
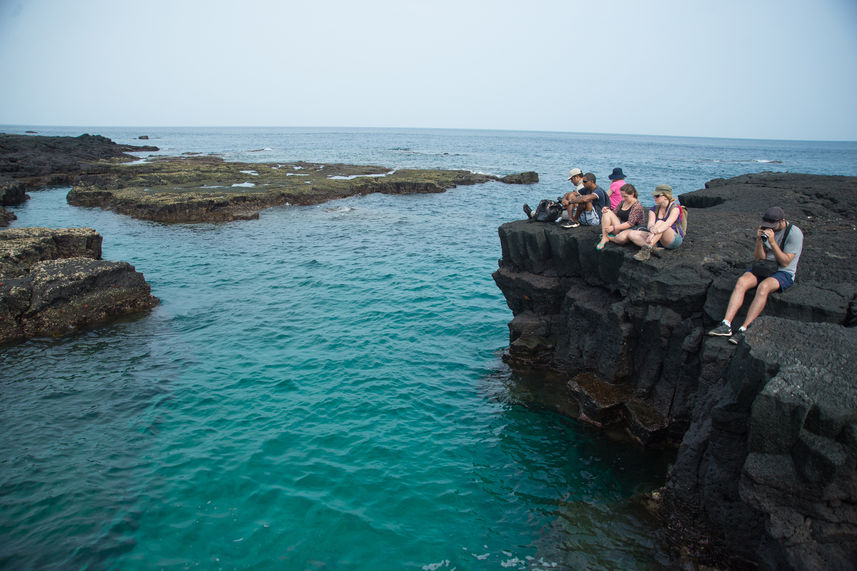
778 248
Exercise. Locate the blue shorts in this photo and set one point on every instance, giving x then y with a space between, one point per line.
675 243
590 218
785 279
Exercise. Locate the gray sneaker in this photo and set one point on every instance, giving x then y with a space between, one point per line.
738 337
571 224
721 330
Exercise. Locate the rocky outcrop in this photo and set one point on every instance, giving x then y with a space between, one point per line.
32 162
755 424
208 189
53 282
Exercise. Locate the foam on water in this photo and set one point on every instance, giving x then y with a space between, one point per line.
322 386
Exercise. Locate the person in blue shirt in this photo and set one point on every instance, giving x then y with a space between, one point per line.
587 204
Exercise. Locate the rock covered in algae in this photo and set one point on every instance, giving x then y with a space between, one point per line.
209 189
53 281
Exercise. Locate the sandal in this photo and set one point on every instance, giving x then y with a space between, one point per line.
600 245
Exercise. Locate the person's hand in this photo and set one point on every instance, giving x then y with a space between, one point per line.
604 210
770 234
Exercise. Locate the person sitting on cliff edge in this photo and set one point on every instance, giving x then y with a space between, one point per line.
575 177
778 248
585 208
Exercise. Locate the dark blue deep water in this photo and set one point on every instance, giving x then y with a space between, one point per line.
322 388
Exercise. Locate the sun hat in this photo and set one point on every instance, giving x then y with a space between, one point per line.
574 172
617 174
772 216
665 190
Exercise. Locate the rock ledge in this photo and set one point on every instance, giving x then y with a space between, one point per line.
53 282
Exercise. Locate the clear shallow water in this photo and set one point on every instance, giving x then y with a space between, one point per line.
322 388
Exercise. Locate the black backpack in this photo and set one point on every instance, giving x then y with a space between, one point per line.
547 211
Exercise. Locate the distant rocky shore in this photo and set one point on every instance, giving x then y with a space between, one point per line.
53 281
197 188
766 468
31 162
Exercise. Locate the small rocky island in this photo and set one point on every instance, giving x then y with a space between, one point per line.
53 281
209 189
766 432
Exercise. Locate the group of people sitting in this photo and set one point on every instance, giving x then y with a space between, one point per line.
620 214
622 219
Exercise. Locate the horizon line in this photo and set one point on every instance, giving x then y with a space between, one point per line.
554 131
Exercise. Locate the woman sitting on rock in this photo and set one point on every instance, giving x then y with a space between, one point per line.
617 224
664 226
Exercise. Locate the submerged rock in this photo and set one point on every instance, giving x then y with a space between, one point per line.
766 468
198 189
53 282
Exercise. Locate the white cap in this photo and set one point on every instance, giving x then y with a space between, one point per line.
574 172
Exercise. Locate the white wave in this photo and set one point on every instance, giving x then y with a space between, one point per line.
254 173
296 174
244 185
767 161
353 176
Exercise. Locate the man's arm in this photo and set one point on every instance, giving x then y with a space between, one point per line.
783 258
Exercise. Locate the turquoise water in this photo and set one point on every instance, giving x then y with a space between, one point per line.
322 388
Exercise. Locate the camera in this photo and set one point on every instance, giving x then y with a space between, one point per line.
764 237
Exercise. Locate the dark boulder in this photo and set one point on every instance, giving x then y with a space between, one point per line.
53 282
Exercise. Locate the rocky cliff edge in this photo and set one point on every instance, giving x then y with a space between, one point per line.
766 468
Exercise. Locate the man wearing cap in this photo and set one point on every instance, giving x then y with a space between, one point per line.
585 207
575 176
779 242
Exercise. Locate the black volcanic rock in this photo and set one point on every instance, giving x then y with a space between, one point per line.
767 459
53 282
31 162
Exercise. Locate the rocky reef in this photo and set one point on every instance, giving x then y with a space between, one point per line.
30 162
766 432
53 282
209 189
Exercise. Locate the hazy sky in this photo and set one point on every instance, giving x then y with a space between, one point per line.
722 68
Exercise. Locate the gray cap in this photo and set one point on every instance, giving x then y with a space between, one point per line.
772 216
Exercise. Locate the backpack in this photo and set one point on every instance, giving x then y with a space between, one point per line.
682 218
547 211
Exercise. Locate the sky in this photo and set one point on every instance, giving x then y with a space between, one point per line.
764 69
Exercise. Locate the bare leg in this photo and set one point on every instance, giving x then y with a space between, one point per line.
665 237
736 300
609 219
637 237
767 286
622 237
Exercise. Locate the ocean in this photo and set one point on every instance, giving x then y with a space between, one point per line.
323 388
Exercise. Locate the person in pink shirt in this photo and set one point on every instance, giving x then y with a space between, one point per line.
618 181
